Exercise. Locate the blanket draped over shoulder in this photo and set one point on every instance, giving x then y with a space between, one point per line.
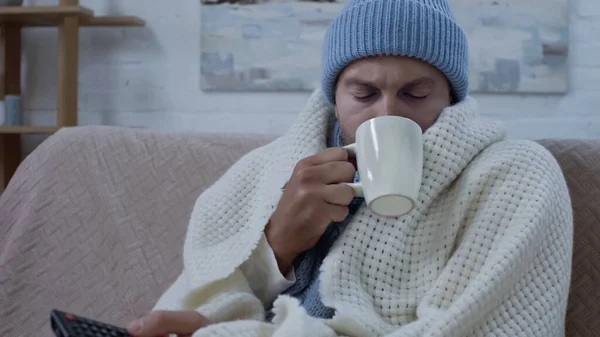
486 251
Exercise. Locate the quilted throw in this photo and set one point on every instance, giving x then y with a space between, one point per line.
486 251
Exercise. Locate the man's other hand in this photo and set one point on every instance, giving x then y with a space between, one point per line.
162 323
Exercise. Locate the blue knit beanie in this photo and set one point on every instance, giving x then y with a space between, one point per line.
423 29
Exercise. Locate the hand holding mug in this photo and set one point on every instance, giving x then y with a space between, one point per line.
389 157
314 197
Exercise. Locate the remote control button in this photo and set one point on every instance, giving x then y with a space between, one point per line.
69 317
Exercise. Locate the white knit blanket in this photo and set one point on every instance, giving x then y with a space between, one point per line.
486 251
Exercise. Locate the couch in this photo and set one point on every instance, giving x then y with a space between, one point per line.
93 222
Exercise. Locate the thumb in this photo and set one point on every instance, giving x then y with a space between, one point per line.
164 322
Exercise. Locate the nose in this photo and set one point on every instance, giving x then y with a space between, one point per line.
390 105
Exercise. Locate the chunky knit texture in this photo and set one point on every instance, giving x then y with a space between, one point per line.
423 29
308 268
486 251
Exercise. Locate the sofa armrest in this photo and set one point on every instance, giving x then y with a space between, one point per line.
580 163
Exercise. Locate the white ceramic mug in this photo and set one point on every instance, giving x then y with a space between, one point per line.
389 157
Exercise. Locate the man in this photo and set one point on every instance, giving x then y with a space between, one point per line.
485 252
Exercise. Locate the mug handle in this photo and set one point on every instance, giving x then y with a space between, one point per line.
357 187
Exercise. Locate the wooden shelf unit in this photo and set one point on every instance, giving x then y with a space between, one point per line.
67 16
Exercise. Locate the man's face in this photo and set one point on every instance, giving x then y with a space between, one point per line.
390 86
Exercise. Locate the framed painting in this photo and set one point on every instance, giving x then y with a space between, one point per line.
515 46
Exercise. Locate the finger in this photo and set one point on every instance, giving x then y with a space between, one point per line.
335 172
337 213
165 322
329 155
338 194
353 161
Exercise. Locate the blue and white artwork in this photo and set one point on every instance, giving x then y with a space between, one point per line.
515 46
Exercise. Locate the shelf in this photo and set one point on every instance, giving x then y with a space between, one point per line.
52 16
112 21
28 129
40 16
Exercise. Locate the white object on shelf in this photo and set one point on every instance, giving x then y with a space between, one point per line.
13 112
3 119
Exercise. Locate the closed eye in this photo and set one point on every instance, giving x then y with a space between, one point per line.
364 97
411 96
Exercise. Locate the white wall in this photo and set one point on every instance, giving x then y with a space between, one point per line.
148 77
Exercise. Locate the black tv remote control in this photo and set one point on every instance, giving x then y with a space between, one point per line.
65 324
